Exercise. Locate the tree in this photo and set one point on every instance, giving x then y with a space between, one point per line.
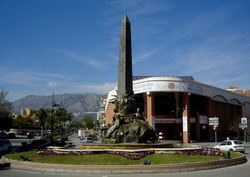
23 122
88 121
5 111
43 118
61 116
75 125
234 126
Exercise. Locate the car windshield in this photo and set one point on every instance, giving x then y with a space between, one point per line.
223 143
238 142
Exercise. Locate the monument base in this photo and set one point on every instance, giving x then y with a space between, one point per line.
134 146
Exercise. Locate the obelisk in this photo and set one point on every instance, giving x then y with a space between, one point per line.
125 83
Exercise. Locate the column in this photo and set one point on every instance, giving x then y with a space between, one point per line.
185 118
197 126
149 108
177 95
211 113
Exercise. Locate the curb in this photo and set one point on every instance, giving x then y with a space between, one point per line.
116 169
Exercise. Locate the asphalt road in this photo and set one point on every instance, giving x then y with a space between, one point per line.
242 170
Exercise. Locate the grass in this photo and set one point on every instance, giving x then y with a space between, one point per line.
234 154
110 159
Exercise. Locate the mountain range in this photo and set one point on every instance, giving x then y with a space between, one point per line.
74 103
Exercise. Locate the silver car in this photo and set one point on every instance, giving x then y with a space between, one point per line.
86 140
231 145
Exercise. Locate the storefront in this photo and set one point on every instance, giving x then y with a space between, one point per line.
179 108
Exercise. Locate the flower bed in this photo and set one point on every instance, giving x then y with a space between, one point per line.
128 155
204 151
132 155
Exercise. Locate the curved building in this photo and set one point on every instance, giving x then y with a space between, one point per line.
179 108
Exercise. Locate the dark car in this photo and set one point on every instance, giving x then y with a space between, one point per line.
12 135
64 138
5 146
3 135
30 135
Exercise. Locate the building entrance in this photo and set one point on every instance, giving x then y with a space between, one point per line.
169 131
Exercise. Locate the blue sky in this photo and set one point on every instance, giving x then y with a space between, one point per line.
72 46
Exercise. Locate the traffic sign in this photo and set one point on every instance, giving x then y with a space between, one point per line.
243 120
243 125
214 121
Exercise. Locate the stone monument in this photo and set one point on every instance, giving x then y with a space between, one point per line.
129 126
125 83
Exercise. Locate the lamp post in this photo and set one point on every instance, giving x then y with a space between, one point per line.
53 110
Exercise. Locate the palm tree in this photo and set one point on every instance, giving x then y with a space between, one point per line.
43 116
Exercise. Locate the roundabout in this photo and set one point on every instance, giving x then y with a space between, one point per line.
129 169
139 168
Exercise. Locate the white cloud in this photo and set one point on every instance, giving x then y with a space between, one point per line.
216 60
80 58
91 88
95 63
202 24
146 55
52 84
27 78
140 12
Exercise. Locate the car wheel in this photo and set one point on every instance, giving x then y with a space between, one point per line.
231 150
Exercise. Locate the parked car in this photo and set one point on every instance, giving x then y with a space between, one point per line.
30 135
231 145
3 149
12 135
3 135
97 140
64 138
86 140
5 146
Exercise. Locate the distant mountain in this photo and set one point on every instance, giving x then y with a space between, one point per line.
74 103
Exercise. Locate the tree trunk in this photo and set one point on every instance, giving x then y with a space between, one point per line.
42 131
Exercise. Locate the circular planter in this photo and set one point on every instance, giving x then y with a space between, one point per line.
62 168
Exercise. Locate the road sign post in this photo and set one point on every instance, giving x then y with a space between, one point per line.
245 135
243 125
215 133
214 121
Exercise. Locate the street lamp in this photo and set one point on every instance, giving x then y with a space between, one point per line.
53 110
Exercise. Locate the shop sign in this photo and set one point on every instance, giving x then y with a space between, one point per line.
167 86
172 120
192 120
168 121
203 119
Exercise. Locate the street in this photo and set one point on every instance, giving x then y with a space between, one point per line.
242 170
